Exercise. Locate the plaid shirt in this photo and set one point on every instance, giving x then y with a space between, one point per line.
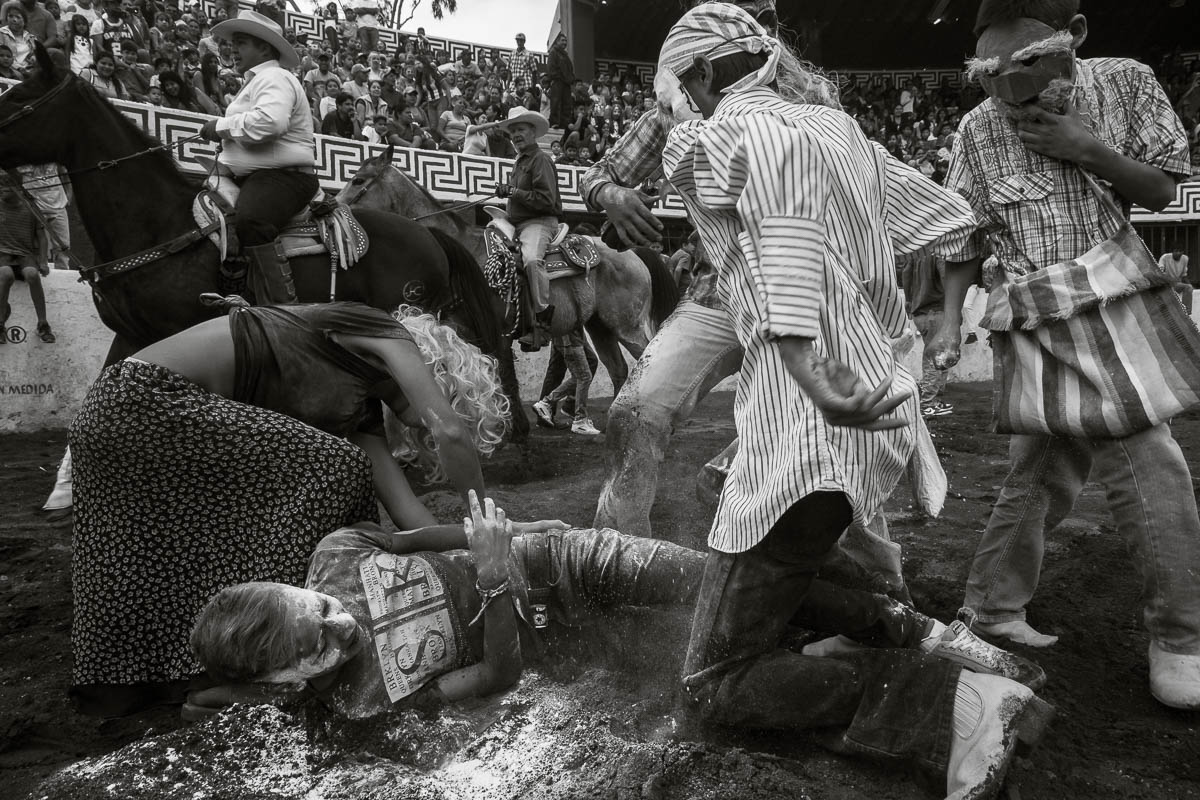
634 159
1037 211
523 64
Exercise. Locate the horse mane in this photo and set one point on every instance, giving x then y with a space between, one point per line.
160 159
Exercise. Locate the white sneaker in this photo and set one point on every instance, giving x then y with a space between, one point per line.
585 427
992 715
1174 679
545 413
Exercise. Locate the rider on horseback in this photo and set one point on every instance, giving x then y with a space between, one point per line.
534 207
267 143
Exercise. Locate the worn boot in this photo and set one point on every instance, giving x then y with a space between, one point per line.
271 275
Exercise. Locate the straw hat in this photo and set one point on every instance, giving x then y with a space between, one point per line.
519 114
262 27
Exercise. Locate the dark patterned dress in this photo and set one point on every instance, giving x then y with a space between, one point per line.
180 492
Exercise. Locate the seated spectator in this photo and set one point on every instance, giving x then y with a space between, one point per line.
177 93
40 23
189 63
79 43
372 105
462 66
342 121
452 125
154 96
111 29
207 81
321 74
134 77
403 131
17 38
102 75
357 86
163 31
375 131
328 103
19 261
7 70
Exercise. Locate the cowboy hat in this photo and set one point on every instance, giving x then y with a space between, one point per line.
261 27
520 114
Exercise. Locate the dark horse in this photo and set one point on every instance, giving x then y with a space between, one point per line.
132 200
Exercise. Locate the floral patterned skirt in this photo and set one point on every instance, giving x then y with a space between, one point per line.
179 493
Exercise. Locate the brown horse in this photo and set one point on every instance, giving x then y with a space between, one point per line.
133 199
622 303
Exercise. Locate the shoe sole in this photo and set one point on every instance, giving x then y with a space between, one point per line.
1036 682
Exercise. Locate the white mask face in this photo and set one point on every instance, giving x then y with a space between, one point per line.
674 104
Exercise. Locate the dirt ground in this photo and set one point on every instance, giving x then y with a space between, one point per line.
596 719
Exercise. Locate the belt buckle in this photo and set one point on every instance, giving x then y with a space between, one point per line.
541 615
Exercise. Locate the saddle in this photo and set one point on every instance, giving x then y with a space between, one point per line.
324 226
568 254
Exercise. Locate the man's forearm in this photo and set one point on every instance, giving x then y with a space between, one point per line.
959 277
1146 185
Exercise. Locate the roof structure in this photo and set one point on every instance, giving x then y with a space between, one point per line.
892 34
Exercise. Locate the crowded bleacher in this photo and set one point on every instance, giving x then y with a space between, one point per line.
419 94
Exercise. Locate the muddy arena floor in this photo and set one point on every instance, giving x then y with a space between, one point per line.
595 719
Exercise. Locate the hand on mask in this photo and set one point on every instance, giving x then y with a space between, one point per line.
1059 136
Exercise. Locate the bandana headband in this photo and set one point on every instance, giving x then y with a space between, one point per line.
716 30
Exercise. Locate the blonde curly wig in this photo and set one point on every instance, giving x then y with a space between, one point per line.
469 380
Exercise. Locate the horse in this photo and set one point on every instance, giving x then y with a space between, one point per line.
622 303
134 200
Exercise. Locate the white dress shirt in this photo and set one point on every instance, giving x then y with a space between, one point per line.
801 216
269 124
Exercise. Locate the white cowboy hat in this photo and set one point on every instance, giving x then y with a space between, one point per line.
262 27
521 114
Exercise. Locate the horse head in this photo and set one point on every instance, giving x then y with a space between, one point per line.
34 115
370 185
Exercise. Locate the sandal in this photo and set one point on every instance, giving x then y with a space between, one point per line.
45 334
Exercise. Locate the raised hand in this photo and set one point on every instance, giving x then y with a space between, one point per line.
489 535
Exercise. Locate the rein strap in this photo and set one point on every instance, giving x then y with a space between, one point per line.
99 272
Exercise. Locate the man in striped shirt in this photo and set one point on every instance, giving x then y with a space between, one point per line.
1020 161
793 207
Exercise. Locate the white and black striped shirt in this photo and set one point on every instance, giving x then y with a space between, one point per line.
801 215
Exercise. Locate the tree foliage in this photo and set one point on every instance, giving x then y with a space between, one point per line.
400 12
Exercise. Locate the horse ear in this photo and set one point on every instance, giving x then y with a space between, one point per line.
387 154
44 62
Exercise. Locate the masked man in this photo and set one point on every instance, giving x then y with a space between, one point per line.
697 347
795 207
1040 163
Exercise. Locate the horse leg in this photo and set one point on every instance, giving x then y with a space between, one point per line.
608 350
62 495
507 368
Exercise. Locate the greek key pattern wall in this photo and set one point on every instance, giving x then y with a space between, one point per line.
642 71
448 176
455 177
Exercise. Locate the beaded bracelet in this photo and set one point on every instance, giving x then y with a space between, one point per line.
488 595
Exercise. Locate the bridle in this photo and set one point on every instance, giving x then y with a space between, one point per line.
29 108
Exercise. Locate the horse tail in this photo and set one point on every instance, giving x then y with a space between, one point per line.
664 294
468 286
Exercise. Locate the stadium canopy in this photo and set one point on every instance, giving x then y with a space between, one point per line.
892 34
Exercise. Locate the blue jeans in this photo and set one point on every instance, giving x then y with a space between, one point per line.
1149 489
695 349
579 381
890 703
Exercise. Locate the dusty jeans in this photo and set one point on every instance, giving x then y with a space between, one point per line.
694 350
889 703
933 380
1151 498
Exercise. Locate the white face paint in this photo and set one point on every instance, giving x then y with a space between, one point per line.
674 104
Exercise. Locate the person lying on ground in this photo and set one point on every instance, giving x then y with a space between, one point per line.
225 452
347 637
